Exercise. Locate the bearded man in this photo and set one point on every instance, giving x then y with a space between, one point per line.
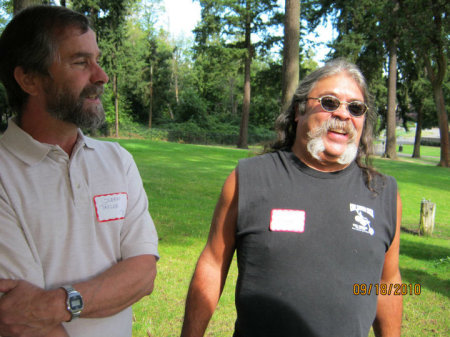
76 237
311 222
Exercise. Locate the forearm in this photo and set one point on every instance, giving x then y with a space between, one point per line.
113 290
204 293
118 287
213 265
26 309
388 320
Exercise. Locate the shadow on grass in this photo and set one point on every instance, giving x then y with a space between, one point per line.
439 232
434 177
423 251
409 231
426 280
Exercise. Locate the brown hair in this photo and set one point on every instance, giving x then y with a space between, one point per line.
30 41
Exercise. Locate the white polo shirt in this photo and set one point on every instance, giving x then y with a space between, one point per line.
65 220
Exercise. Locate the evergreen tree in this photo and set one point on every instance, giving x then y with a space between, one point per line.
427 34
232 23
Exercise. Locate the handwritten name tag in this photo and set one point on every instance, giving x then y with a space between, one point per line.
109 207
287 220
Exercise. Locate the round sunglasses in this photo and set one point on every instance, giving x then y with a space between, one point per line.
331 103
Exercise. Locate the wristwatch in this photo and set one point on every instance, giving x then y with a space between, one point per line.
74 302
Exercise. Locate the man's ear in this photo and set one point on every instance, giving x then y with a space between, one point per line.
28 81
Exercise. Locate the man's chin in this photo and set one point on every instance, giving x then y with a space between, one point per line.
317 149
92 122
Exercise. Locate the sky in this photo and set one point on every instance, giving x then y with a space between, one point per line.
182 16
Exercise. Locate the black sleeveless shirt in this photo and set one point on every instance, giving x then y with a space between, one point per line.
304 240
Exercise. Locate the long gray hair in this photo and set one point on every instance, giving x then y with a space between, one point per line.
286 126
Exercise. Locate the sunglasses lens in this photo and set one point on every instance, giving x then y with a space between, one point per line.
330 103
357 108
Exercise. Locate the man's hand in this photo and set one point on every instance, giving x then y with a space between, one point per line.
29 311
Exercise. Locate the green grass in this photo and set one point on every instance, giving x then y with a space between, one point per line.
183 183
418 181
425 151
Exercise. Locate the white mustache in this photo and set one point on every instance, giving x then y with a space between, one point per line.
334 124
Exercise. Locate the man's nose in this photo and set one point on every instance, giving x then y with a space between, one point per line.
99 76
342 112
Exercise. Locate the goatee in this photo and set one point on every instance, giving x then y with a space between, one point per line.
316 145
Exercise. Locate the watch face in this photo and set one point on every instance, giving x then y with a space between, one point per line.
76 303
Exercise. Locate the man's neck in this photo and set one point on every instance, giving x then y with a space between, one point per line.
47 129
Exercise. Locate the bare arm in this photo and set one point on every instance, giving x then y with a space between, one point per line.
212 267
388 320
26 308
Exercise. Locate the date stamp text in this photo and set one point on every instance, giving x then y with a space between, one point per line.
387 289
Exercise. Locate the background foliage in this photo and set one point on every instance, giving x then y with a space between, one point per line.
182 85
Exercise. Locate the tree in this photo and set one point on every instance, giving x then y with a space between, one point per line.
428 26
290 74
238 20
217 75
419 103
150 11
391 40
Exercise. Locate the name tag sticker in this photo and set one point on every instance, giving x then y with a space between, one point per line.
110 207
287 220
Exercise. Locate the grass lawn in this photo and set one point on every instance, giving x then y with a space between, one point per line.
183 183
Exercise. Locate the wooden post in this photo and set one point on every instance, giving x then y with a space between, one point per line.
427 213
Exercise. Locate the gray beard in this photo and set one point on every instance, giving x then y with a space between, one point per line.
65 107
316 146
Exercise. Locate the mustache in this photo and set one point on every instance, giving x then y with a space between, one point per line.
92 90
334 123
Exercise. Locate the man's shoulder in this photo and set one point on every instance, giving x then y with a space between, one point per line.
103 145
100 143
261 158
267 162
108 150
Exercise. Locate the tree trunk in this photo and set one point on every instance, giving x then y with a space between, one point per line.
18 5
175 76
116 104
243 132
390 151
443 124
150 111
290 74
418 137
233 105
436 78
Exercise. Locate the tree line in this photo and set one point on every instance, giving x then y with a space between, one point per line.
247 56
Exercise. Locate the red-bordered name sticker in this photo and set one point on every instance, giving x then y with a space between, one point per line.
287 220
110 207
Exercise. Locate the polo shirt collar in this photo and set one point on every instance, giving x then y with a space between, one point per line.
86 141
28 149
